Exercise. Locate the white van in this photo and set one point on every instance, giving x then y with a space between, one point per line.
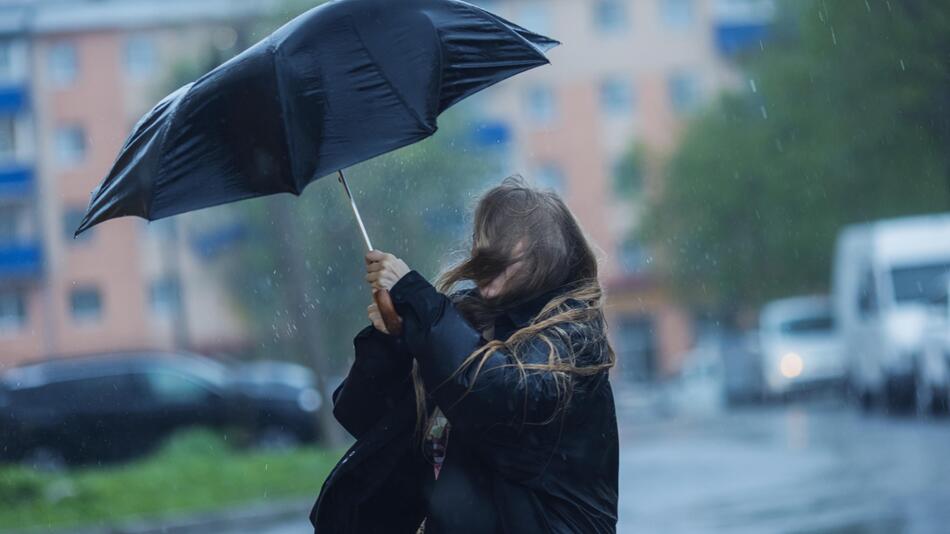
799 345
883 275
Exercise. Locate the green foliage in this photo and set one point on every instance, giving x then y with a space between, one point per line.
845 118
194 471
629 173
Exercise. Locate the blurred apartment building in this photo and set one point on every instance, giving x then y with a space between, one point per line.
630 73
75 75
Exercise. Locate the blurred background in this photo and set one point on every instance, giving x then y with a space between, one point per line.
767 183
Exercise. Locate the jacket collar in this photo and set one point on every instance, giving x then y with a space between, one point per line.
523 312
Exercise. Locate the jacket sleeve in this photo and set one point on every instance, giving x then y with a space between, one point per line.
440 340
379 377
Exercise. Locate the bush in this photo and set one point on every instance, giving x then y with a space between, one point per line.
19 485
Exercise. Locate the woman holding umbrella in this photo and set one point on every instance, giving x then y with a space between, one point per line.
491 411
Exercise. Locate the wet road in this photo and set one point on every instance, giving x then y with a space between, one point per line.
796 469
802 469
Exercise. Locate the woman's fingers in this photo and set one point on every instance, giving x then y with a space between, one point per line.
377 256
381 280
383 270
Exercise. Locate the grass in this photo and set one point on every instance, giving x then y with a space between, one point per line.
194 471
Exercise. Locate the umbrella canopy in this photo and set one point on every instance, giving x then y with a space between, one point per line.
340 84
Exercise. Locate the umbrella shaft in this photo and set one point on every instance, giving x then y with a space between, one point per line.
356 211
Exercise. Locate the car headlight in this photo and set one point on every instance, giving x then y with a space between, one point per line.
791 365
309 400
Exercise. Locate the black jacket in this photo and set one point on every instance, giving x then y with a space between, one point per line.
556 477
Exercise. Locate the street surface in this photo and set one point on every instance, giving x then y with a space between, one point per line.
798 469
812 468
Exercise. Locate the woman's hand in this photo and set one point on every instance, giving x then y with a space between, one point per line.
376 318
383 270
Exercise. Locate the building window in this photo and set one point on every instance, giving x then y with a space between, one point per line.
684 92
164 296
140 56
70 145
7 138
535 17
6 60
551 176
616 97
10 216
71 221
63 64
677 14
610 15
85 304
541 106
162 229
12 310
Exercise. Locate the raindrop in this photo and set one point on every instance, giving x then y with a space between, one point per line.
753 86
904 68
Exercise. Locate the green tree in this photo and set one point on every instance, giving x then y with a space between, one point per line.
845 118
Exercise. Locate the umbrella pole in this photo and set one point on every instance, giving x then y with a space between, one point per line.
356 212
383 301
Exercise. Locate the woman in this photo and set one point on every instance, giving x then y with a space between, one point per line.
491 412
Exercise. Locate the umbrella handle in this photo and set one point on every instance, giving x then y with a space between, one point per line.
387 310
384 302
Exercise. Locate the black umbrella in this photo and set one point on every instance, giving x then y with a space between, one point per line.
340 84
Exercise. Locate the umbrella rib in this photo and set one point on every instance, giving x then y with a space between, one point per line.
385 78
150 185
284 117
501 23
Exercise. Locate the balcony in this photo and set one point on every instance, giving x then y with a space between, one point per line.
733 39
20 260
13 99
741 25
16 181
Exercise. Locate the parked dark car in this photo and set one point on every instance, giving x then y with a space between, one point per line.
285 397
6 420
118 406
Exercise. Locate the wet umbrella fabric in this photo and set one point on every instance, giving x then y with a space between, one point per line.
340 84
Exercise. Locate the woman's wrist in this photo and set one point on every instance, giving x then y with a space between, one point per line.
410 283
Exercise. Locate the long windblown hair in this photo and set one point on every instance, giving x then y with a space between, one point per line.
518 224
